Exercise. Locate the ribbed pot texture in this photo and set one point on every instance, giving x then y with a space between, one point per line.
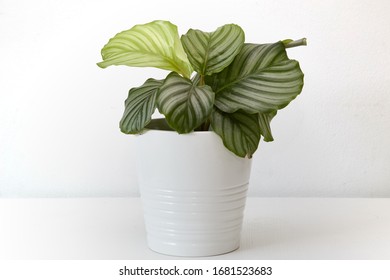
193 192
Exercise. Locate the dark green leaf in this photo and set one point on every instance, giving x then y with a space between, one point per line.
264 123
158 124
211 52
240 131
139 106
185 105
261 79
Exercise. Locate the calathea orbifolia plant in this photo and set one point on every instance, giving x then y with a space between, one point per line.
235 91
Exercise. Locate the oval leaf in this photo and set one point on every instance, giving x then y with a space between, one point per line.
211 52
260 79
184 105
155 44
139 106
240 131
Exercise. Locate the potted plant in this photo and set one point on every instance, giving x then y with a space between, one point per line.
218 101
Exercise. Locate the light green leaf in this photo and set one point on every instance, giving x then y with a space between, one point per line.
240 131
261 79
264 123
139 106
211 52
185 105
155 44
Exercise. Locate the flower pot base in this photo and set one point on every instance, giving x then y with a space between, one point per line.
187 250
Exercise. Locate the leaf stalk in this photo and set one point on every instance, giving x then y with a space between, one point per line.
295 43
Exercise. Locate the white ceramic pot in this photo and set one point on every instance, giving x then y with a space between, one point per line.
193 192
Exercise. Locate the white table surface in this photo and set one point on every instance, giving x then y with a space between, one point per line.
274 228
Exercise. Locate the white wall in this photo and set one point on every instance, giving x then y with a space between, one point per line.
59 112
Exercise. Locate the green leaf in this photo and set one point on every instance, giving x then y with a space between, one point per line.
264 123
185 105
261 79
139 106
155 44
240 131
158 124
211 52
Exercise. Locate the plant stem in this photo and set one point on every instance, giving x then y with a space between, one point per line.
206 125
296 43
201 81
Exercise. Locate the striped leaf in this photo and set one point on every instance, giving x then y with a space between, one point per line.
261 79
240 131
184 105
139 106
155 44
264 123
211 52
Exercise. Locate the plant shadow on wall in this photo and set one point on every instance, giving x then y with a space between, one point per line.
235 91
193 189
